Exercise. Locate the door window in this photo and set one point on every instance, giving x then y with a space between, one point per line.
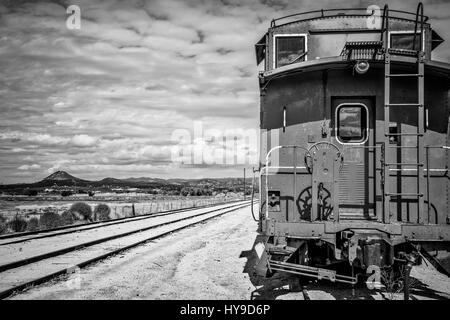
351 123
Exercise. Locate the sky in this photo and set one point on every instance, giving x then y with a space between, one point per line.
105 100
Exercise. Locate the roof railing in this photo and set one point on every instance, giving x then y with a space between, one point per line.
355 12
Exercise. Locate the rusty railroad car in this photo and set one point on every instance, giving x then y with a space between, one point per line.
354 129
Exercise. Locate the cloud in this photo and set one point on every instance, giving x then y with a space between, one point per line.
38 138
83 140
29 167
104 100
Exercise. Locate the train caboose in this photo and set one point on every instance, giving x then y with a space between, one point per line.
354 130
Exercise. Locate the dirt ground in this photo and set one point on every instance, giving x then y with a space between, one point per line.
213 260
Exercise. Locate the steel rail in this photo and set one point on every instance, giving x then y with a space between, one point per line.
26 261
6 293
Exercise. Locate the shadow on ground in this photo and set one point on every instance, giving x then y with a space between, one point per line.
420 289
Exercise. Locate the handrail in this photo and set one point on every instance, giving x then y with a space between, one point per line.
419 8
385 20
282 147
253 196
323 15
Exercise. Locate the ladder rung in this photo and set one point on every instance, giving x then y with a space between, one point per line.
403 147
404 194
405 164
404 75
403 105
403 134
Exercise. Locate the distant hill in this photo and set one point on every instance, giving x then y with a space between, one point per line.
64 179
110 181
145 180
63 176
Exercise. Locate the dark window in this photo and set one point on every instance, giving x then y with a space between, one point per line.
393 129
405 41
351 123
274 201
289 50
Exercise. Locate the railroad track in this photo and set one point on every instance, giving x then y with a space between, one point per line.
38 260
30 235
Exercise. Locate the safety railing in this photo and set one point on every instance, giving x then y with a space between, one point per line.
381 159
347 12
267 168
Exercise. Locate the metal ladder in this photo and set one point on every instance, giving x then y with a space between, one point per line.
419 55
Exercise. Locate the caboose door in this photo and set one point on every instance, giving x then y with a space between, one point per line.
353 131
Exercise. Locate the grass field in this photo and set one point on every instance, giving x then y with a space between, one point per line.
121 206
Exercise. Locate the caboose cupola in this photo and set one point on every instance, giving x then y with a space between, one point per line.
324 34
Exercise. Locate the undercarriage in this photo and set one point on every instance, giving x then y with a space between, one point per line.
355 258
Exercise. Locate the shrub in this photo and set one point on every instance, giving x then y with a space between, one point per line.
102 212
18 224
66 193
50 220
31 193
82 209
3 225
33 224
67 218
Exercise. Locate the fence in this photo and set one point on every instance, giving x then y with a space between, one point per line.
118 209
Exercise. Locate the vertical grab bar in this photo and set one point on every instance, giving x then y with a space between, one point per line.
383 22
295 180
419 8
427 149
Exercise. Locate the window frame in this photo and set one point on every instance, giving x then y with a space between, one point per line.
275 36
406 32
365 130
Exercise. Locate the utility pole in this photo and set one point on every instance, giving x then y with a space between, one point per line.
244 184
